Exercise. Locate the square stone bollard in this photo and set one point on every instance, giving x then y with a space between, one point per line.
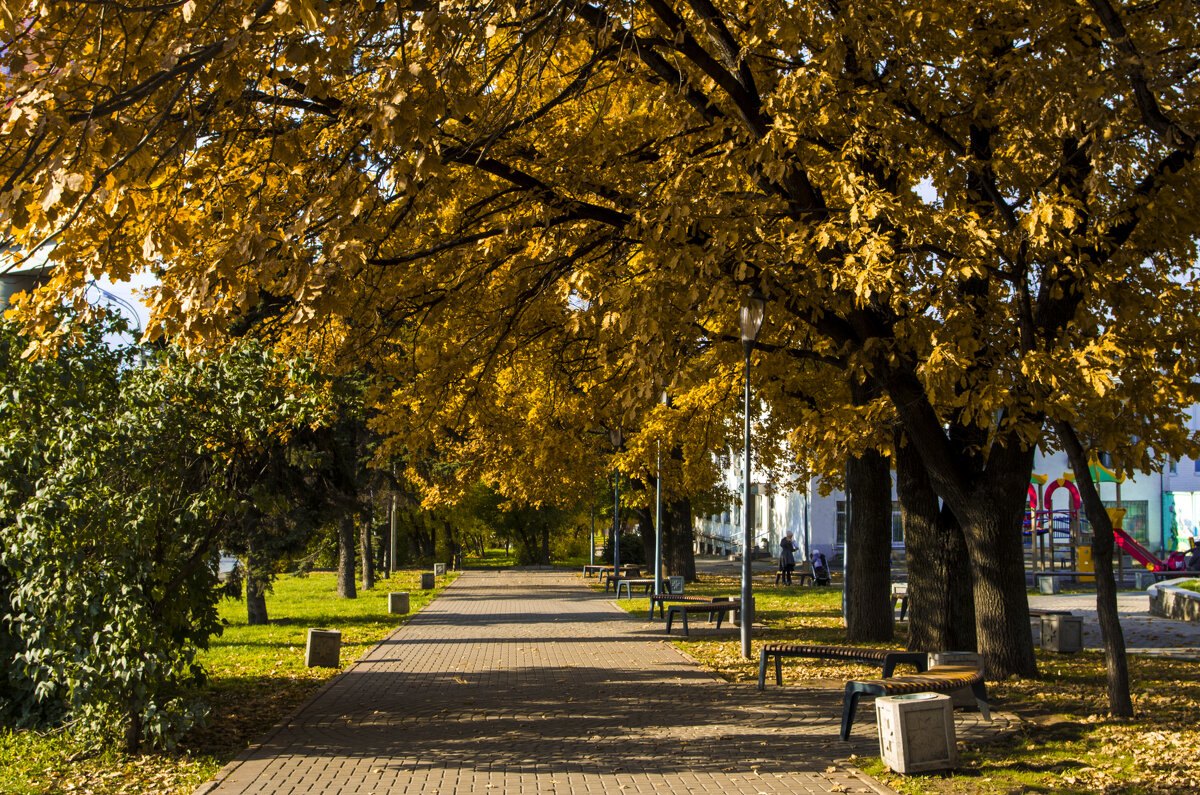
324 648
427 580
1049 585
398 603
916 732
1144 580
1062 634
439 569
676 584
962 697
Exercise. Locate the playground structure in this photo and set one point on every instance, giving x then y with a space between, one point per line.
1060 540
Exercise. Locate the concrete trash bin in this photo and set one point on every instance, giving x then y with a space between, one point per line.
916 732
427 580
439 569
324 648
398 603
676 584
1049 585
1063 634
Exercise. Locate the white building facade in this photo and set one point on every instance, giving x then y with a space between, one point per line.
1162 509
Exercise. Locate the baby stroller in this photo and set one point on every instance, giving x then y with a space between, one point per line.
820 568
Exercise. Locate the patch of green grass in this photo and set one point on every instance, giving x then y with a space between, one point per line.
1191 585
491 559
256 677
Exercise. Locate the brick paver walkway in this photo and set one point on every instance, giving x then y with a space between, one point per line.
528 682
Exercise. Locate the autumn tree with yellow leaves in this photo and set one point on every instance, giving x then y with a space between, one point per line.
982 216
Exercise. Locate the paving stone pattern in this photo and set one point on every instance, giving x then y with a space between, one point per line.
529 682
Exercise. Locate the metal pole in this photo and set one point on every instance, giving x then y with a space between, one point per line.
616 523
592 537
392 541
747 511
846 579
658 518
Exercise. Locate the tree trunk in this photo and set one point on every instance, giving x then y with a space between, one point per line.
256 597
133 729
679 550
1119 703
998 579
256 585
869 548
645 518
989 502
345 578
941 610
366 556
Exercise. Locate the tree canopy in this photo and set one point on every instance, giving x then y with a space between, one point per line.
546 210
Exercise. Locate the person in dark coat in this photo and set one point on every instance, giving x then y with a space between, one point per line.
787 557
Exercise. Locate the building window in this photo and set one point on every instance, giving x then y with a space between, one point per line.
840 528
897 524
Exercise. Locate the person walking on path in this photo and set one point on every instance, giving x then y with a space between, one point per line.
787 557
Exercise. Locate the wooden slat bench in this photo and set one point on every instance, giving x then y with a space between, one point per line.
938 679
803 575
900 592
719 608
646 583
626 571
666 599
888 659
591 569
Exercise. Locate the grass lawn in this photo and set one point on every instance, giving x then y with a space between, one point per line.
1064 744
257 676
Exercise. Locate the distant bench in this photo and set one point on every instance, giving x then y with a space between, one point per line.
900 592
629 583
662 599
938 679
714 607
888 659
590 569
607 573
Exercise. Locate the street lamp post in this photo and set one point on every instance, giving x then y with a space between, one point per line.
615 436
665 399
751 321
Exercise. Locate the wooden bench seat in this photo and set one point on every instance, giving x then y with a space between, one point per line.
626 571
629 583
590 569
714 607
888 659
938 679
663 599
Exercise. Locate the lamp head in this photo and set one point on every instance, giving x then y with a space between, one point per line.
616 436
752 313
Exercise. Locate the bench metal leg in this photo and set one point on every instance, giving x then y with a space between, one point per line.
762 669
979 689
849 704
919 659
670 618
779 670
685 626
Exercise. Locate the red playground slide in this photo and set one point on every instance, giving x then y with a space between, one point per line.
1174 562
